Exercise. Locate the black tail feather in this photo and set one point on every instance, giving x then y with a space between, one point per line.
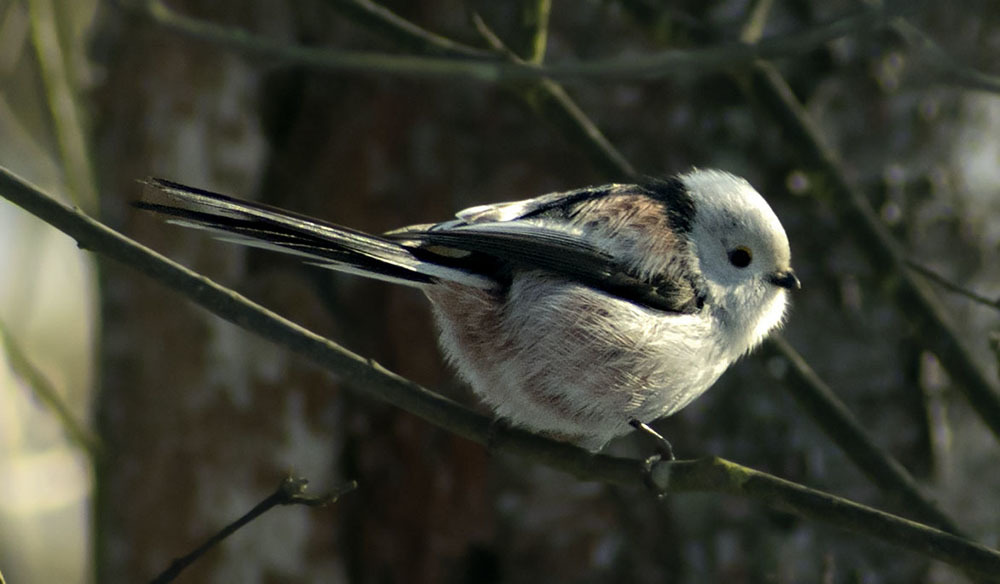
260 225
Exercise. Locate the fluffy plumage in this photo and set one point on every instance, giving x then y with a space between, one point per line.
569 313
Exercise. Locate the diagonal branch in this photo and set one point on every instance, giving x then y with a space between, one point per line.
791 497
63 103
534 20
952 286
366 376
839 423
291 491
408 35
948 69
46 393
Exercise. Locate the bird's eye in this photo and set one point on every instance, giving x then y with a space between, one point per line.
740 257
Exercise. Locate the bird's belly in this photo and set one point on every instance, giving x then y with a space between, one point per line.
567 360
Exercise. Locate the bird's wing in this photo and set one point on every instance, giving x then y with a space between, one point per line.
556 249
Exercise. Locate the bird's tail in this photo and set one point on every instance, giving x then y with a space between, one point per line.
320 243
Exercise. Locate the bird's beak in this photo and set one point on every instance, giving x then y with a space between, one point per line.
785 279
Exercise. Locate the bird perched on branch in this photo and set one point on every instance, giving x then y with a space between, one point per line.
572 313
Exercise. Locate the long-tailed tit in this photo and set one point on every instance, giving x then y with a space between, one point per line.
571 313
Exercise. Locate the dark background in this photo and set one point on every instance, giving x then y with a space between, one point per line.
200 420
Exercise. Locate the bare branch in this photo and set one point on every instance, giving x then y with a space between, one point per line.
753 28
948 69
825 408
46 393
403 32
951 286
672 62
535 30
62 103
724 476
291 491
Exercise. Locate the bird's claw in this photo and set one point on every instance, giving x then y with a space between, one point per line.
664 452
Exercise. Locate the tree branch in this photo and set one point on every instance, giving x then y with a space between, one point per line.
951 286
832 416
291 491
534 20
408 35
545 97
62 104
666 63
368 377
719 475
48 395
949 70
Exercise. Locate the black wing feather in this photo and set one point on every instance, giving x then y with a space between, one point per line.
566 254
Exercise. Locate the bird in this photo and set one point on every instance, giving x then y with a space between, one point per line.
573 314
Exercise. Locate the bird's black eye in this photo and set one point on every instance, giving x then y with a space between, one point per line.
740 257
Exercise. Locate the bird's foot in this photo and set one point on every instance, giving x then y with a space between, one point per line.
664 452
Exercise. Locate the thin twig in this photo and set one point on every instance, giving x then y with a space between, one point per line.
493 40
364 375
948 69
74 153
753 29
291 491
951 286
403 32
534 21
667 63
839 423
47 394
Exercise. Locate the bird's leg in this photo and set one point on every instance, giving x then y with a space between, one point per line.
664 451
